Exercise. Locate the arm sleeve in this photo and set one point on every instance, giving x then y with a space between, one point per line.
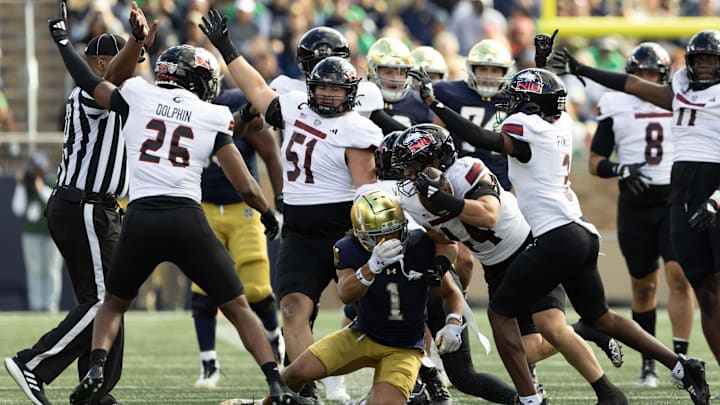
221 139
611 80
273 115
521 150
603 142
118 104
471 133
386 122
79 70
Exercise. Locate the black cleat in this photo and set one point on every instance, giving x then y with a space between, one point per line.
439 394
31 386
280 394
309 391
616 398
106 399
84 392
613 350
694 380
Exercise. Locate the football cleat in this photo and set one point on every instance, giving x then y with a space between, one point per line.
90 384
280 394
209 375
439 394
648 375
31 386
693 379
309 392
613 350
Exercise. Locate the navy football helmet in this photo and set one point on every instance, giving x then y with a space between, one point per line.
187 67
333 71
319 43
535 91
650 57
703 43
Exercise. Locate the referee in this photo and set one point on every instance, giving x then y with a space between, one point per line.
84 222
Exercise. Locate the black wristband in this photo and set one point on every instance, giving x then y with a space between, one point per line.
136 39
607 169
228 51
444 200
611 80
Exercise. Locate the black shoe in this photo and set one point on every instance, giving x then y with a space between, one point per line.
106 399
544 401
280 394
84 392
694 380
31 386
616 398
439 394
613 350
310 391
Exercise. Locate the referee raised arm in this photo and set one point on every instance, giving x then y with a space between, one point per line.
84 221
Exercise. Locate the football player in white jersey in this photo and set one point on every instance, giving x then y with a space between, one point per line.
170 131
317 44
467 205
693 95
328 152
537 137
640 133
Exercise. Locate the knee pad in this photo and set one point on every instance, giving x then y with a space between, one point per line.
203 306
266 310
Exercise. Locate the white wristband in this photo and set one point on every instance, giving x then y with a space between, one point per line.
455 317
362 279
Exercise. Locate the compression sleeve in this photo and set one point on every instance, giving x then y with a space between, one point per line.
79 70
604 140
386 122
471 133
611 80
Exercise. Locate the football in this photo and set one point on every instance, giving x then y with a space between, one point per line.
434 174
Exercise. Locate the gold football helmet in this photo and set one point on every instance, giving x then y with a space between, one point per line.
390 53
377 215
489 52
430 59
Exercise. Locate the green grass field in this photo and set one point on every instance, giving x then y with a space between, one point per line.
162 363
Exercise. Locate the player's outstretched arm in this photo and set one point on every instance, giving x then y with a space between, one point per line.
658 94
122 66
245 76
78 69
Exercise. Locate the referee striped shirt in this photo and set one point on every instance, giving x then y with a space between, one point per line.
93 158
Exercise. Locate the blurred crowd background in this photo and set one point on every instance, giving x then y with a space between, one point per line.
34 83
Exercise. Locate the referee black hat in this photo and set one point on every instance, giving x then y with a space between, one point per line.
105 45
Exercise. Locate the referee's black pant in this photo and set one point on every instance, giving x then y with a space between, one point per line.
86 233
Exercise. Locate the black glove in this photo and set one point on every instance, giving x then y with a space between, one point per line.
272 227
279 204
543 48
58 30
632 177
215 28
428 187
704 217
564 63
425 86
246 115
434 274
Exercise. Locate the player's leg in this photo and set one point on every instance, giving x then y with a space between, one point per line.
395 375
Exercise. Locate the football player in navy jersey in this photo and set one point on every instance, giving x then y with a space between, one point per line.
489 64
693 95
641 134
240 231
388 271
389 61
432 61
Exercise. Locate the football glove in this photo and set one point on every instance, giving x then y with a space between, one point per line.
272 226
564 63
58 31
434 274
215 28
704 217
279 204
425 86
543 48
384 254
631 176
449 338
428 187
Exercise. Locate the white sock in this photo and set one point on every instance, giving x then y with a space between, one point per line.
208 355
531 400
272 334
